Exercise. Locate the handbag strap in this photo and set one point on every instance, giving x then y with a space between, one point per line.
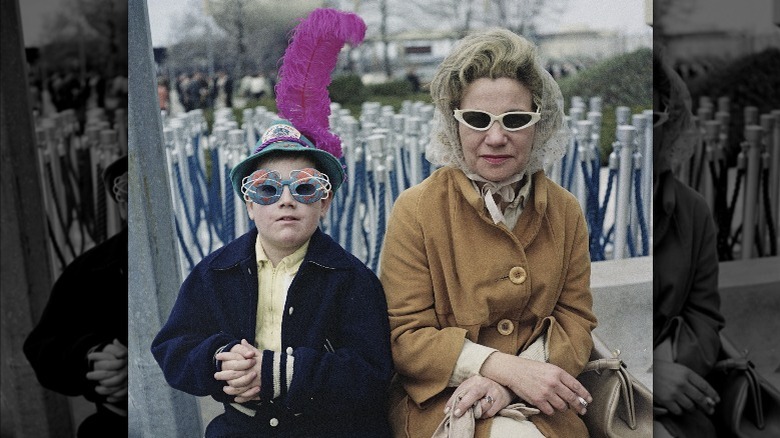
600 365
626 383
745 366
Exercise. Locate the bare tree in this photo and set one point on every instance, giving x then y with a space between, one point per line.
259 29
386 19
87 31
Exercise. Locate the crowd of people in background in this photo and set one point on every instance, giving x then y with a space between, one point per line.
198 90
67 88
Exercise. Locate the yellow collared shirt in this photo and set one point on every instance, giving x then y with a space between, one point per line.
273 283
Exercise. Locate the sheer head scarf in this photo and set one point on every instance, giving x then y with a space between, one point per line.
677 137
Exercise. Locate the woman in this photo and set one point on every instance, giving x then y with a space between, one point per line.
485 264
686 316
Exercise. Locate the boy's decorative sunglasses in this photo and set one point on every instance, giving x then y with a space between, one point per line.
265 187
483 120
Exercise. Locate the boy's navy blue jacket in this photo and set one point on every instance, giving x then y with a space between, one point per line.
335 325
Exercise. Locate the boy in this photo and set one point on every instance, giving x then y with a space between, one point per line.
282 325
75 350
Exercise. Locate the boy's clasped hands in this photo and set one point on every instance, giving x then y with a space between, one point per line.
241 371
109 370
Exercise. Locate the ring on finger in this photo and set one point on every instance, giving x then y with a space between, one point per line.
489 399
582 402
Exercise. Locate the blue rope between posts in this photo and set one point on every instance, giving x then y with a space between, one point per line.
591 202
197 194
198 200
574 158
73 185
719 181
365 199
228 222
405 163
214 211
58 213
54 245
87 215
732 207
335 211
380 226
630 241
360 195
640 211
603 212
368 200
183 245
768 212
180 185
339 212
100 208
70 199
608 236
190 221
426 166
392 178
354 201
595 165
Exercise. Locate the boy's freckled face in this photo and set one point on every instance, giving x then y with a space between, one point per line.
286 224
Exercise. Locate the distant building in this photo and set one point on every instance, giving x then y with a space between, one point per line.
424 50
420 50
588 44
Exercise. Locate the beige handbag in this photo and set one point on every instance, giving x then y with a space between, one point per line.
622 406
750 404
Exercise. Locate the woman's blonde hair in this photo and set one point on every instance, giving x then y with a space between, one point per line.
494 53
498 53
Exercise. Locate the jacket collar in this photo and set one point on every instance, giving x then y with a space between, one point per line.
322 250
540 192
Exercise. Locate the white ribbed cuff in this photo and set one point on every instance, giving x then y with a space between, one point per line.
538 350
469 362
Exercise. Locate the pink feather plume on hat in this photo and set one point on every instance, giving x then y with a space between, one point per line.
302 91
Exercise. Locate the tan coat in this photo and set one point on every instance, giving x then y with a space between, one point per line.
449 273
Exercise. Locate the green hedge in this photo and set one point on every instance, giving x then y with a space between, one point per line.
623 80
752 80
347 89
399 87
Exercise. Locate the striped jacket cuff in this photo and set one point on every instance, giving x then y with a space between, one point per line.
277 373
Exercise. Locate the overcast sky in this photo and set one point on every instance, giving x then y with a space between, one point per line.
623 15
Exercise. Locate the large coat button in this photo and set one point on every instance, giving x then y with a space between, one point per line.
505 327
517 275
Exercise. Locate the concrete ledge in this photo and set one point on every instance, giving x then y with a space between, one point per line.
750 303
735 275
623 303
